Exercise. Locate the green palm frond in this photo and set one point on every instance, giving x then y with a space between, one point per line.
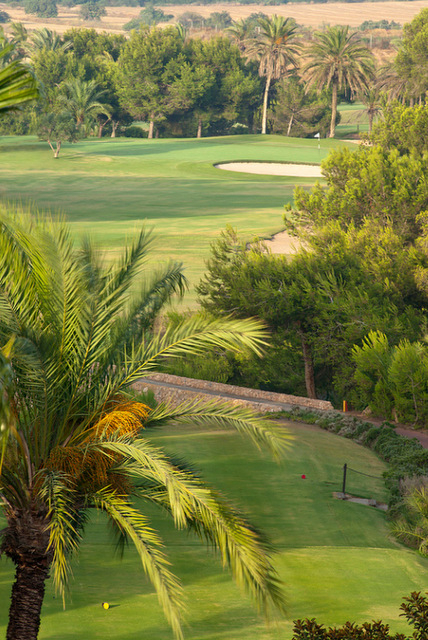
17 84
338 56
149 546
155 292
195 506
147 461
217 413
45 39
64 529
275 48
130 263
192 336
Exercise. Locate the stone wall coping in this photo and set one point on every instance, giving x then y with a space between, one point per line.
243 393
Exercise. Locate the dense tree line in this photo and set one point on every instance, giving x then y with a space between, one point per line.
191 86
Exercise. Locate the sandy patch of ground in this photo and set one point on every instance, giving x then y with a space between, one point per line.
273 169
282 243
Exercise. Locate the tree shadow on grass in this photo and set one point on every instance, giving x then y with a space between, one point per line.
143 149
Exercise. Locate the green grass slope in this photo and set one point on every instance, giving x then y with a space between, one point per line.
336 559
109 188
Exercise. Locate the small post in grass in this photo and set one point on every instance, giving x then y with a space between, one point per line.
345 466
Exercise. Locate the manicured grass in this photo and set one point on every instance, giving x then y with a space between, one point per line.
336 559
109 188
353 120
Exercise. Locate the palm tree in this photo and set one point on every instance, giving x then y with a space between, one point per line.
275 50
371 98
17 84
412 529
19 38
81 99
392 83
45 39
402 83
240 32
340 61
75 338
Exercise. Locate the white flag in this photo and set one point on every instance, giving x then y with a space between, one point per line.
317 135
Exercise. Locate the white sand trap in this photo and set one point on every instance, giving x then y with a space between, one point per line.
273 169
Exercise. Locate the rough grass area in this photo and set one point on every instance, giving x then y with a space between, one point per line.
110 188
336 559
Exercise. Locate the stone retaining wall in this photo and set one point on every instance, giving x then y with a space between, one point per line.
189 389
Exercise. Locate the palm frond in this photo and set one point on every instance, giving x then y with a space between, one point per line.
149 547
192 336
197 507
217 413
64 534
17 84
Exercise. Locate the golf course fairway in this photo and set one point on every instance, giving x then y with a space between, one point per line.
336 559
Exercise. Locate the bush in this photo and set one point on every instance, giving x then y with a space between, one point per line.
148 16
309 629
4 17
134 131
92 11
41 8
414 608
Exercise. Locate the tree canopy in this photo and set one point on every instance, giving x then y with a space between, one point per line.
367 183
325 298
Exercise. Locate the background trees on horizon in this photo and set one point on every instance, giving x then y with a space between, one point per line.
183 99
352 63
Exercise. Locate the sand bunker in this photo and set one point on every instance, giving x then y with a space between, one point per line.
273 169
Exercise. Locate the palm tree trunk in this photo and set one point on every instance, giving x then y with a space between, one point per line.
27 598
199 133
290 124
371 117
25 542
114 125
265 102
333 110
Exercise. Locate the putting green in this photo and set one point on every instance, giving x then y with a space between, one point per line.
109 188
336 559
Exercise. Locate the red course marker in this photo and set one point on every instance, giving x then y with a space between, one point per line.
303 477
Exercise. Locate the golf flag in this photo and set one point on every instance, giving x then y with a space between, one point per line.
317 135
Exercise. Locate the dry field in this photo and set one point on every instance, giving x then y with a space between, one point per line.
313 15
